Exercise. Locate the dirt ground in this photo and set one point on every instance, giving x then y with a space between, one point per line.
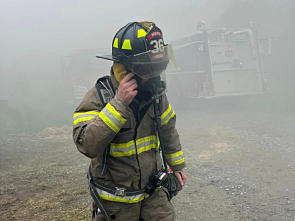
240 166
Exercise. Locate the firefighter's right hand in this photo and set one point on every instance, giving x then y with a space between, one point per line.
127 89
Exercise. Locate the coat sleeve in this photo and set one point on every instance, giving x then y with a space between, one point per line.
170 137
95 126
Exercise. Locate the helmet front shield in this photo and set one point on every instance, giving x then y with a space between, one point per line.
152 63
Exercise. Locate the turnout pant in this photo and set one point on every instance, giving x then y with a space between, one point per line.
155 208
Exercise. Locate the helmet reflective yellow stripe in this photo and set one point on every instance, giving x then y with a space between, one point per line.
126 45
141 33
115 45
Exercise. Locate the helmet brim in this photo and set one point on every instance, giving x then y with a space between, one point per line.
108 57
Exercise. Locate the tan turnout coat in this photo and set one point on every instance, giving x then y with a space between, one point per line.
134 153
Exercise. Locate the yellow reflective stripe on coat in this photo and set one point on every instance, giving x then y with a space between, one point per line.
84 116
129 148
122 199
167 115
146 144
112 118
108 115
175 158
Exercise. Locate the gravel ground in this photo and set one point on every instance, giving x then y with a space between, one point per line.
240 166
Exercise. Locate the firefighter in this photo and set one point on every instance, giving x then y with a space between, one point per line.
126 126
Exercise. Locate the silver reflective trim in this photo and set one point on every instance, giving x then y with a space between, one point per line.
147 143
84 115
122 149
112 118
112 197
167 117
171 160
151 143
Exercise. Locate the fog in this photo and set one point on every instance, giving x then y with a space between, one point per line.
233 94
37 36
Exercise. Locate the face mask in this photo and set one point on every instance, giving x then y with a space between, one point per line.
152 87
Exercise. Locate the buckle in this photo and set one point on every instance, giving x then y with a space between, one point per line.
120 191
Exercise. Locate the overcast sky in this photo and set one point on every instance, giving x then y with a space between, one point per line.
60 26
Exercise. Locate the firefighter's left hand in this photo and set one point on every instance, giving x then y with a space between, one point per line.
181 177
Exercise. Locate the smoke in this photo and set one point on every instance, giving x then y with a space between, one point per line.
271 18
36 36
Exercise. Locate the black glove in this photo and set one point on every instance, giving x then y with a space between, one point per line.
172 185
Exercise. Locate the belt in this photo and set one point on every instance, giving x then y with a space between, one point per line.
116 194
118 191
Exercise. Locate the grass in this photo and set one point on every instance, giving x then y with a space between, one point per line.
43 179
28 121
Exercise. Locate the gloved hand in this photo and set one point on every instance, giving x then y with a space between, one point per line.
172 185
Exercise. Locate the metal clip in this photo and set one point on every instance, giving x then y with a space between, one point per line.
120 191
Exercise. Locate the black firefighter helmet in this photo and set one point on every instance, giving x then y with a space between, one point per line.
140 47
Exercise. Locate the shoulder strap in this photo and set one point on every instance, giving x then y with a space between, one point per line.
106 92
157 101
105 89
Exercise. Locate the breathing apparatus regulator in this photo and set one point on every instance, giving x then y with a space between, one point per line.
140 48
